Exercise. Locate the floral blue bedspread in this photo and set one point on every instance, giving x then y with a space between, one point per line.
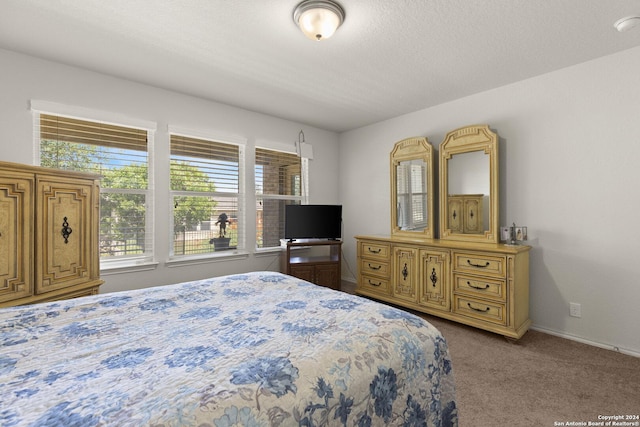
256 349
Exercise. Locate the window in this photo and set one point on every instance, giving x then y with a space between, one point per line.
203 201
118 153
278 181
206 197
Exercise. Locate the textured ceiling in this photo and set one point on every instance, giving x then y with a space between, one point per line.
388 58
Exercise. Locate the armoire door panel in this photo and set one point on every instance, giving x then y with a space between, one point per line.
66 230
16 234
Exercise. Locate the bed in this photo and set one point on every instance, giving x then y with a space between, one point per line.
256 349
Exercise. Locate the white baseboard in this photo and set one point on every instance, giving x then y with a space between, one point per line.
585 341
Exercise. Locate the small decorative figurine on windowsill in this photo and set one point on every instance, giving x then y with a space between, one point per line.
223 220
221 242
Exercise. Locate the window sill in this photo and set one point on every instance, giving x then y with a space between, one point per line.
205 259
129 266
268 251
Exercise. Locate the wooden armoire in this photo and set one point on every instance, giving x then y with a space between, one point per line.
49 241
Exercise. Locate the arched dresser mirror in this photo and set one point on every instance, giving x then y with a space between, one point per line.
412 188
469 208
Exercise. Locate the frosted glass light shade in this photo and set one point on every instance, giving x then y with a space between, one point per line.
318 20
627 23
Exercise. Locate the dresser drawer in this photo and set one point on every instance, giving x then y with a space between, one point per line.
483 264
374 284
375 250
480 309
374 268
494 289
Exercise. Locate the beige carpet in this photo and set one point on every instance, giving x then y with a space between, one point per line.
540 380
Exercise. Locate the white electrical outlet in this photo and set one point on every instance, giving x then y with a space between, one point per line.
575 309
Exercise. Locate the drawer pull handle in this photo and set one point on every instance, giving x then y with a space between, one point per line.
375 268
478 309
486 286
374 252
434 277
66 230
478 265
375 284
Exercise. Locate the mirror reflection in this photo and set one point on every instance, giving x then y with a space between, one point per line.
469 196
411 173
469 193
411 195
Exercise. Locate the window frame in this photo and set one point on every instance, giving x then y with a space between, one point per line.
214 137
38 108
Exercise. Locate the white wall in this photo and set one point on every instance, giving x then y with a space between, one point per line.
570 171
23 78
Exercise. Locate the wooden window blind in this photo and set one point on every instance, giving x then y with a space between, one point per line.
218 161
205 187
96 146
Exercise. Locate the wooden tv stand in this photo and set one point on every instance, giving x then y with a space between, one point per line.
316 261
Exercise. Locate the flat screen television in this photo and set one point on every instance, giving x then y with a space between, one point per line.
313 222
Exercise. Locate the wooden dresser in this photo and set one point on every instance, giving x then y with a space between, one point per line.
49 241
465 275
481 285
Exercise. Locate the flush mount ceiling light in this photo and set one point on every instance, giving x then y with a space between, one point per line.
318 19
627 23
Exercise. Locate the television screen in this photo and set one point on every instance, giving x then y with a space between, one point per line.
313 222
